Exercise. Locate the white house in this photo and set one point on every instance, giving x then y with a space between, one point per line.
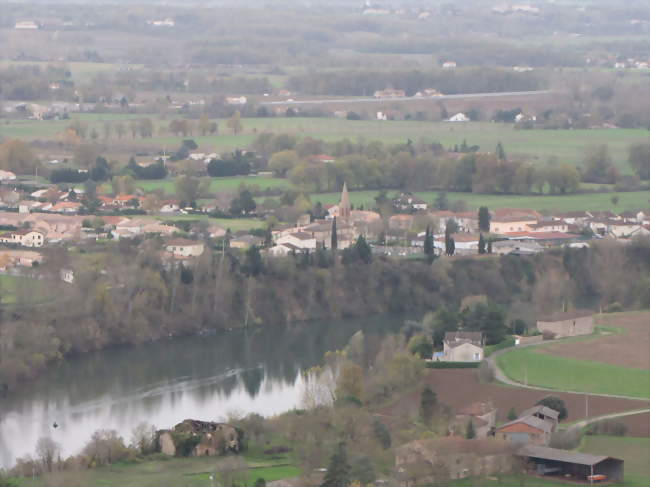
459 117
302 241
26 25
25 237
184 248
7 175
461 346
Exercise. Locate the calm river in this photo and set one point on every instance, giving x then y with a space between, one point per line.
165 382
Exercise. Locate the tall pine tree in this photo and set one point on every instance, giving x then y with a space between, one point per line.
484 219
339 470
481 244
335 238
500 152
428 245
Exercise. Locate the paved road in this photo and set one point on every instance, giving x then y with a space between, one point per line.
502 377
407 98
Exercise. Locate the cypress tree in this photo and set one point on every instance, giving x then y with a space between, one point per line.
470 433
481 244
335 238
428 401
489 246
500 152
428 245
339 471
484 219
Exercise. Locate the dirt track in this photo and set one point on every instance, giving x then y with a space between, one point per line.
631 348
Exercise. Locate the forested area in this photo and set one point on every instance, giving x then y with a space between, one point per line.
128 296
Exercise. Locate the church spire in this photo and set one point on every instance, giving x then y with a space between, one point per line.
344 205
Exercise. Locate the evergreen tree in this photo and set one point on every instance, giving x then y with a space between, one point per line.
500 152
363 250
470 433
382 434
339 470
512 414
489 246
484 219
451 248
428 245
442 201
481 244
335 238
428 401
253 264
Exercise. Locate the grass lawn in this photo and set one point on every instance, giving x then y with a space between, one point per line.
635 452
175 472
217 184
235 224
538 145
573 375
18 290
595 201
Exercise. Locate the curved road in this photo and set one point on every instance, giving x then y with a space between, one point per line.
500 376
326 101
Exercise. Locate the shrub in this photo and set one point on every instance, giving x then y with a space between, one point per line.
453 365
613 308
607 427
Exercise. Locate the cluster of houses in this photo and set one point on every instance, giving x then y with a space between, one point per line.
503 449
512 230
469 346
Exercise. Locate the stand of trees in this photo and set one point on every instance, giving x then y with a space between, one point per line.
148 300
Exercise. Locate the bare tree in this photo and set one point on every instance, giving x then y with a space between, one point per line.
143 438
47 450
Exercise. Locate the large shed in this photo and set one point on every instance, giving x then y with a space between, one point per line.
568 464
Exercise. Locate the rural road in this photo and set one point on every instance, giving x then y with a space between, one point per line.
585 422
407 98
500 376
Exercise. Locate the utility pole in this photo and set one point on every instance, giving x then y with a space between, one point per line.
586 405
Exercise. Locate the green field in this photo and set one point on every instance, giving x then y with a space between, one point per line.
573 375
234 224
175 472
217 184
17 290
635 452
538 145
588 201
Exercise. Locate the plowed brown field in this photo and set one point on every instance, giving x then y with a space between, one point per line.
460 387
631 348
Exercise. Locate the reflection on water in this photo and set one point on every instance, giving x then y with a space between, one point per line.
165 382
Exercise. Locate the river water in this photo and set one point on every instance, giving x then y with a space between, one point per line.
165 382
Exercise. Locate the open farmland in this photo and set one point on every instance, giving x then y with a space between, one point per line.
176 472
537 145
630 348
588 363
217 184
635 452
587 201
458 388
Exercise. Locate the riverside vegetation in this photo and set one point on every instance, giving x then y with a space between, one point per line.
125 295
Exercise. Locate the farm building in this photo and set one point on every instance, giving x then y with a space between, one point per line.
567 324
461 346
573 465
458 457
525 430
